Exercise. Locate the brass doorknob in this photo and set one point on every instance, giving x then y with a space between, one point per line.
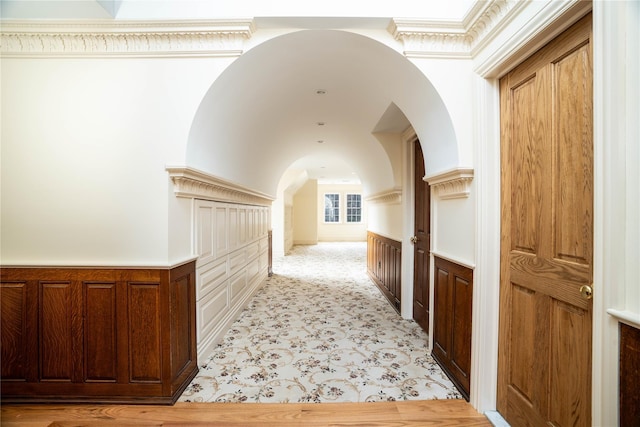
413 239
586 291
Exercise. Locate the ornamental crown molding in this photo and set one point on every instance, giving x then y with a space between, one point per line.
454 39
192 183
388 197
124 38
452 184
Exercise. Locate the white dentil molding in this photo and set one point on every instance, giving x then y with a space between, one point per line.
389 197
451 184
192 183
454 39
108 38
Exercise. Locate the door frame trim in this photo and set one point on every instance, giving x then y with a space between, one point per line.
613 184
543 21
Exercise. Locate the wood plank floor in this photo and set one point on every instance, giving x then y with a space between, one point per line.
412 413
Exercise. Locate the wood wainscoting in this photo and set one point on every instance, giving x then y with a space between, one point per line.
384 266
121 335
453 297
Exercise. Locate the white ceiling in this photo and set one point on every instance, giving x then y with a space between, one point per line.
212 9
265 111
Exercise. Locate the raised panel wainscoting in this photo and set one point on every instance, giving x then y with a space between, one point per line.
384 266
453 297
97 334
232 241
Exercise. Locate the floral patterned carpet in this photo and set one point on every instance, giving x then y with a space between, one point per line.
320 331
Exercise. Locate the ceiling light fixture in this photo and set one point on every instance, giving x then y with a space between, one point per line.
320 141
321 92
321 123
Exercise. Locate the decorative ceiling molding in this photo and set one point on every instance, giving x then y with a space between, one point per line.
126 38
452 39
389 197
451 184
425 39
192 183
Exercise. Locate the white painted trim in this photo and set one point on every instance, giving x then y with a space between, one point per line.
453 259
486 276
109 38
190 182
388 197
451 184
454 39
625 316
520 35
408 202
496 419
617 193
98 265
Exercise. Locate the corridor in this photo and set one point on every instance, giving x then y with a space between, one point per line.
320 331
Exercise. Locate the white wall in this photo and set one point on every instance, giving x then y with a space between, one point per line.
342 231
386 219
453 234
84 147
305 214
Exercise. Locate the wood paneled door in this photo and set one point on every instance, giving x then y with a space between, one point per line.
547 235
421 242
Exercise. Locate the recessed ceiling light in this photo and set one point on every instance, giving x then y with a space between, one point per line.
321 92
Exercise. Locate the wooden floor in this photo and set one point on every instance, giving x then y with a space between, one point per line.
413 413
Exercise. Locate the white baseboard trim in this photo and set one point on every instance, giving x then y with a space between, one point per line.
496 419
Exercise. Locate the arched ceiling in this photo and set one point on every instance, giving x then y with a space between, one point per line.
305 98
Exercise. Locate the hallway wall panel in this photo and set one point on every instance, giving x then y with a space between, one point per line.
232 244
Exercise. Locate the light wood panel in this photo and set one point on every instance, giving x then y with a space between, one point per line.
413 413
547 234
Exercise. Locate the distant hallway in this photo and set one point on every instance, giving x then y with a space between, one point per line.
320 331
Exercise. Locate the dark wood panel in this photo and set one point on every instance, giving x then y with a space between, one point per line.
441 323
184 363
453 299
13 331
384 260
180 323
629 375
461 327
96 335
100 332
56 331
145 356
